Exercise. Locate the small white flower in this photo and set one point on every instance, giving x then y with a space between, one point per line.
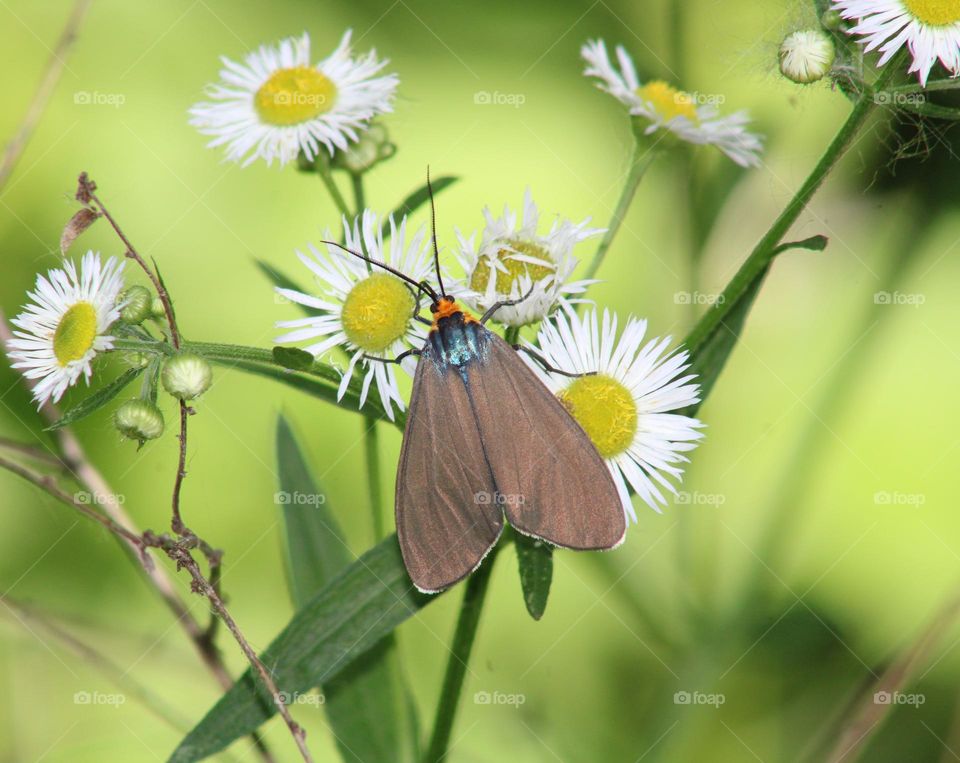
667 108
514 258
277 103
625 406
365 310
62 330
929 28
806 56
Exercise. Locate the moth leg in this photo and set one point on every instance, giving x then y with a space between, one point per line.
416 304
546 366
400 357
505 303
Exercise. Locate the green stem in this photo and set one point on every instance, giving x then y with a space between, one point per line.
359 199
463 639
764 251
323 170
643 156
372 453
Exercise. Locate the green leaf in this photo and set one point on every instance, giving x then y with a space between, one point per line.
293 358
714 337
315 546
420 197
97 400
364 703
536 572
345 620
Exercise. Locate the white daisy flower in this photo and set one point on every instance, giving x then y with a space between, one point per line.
366 310
667 108
277 103
513 258
930 29
625 406
63 329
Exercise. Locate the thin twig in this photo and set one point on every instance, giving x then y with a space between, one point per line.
31 451
51 76
177 551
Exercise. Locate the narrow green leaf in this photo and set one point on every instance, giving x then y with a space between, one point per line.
315 547
420 197
714 337
97 400
293 358
344 621
536 572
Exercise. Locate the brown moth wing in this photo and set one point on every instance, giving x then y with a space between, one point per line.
445 530
552 482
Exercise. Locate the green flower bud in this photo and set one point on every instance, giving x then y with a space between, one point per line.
139 420
831 20
136 305
806 56
373 146
156 308
186 376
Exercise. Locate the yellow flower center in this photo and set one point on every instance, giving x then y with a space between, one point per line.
295 95
376 312
75 333
513 268
606 411
934 12
667 101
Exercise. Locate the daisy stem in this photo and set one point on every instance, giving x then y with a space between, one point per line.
371 451
767 247
323 170
463 639
643 156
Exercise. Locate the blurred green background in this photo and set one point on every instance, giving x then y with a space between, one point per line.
850 579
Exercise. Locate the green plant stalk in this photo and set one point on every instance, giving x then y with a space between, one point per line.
643 156
463 639
764 251
372 455
322 164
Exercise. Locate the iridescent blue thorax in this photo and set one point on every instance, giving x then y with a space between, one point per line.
456 342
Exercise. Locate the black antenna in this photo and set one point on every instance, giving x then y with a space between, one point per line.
433 231
419 286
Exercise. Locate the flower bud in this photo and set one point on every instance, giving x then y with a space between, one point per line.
136 303
186 376
373 146
806 56
156 309
139 420
831 20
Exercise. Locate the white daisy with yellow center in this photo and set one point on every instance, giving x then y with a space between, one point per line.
929 28
278 103
514 258
364 310
63 328
666 108
625 404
